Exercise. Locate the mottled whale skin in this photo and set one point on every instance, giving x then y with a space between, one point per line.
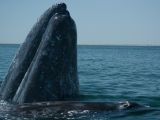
78 105
45 68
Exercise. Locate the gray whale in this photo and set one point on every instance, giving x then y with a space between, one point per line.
45 68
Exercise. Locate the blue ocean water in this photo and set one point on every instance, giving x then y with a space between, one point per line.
112 73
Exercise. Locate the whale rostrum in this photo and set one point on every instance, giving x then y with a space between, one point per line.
45 67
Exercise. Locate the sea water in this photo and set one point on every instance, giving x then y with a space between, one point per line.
111 74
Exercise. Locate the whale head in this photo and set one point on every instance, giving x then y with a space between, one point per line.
52 74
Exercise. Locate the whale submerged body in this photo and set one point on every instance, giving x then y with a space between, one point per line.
45 68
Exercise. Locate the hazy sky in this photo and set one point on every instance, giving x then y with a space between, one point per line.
98 21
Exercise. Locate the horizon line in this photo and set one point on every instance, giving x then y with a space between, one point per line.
97 44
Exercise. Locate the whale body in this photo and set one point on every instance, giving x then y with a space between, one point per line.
45 68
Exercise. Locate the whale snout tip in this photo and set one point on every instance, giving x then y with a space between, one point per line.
61 7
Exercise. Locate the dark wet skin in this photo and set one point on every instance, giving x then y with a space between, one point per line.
45 68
